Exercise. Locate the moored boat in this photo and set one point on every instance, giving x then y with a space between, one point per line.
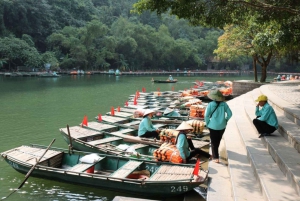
164 81
154 179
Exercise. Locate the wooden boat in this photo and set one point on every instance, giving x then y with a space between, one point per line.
54 74
164 81
149 179
114 139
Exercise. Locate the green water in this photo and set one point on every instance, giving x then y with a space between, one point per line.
33 109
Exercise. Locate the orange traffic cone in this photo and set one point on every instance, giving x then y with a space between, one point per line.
99 117
119 109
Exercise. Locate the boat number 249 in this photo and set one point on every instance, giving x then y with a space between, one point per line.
179 189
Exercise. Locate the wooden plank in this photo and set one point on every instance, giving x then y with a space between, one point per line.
168 172
139 146
137 106
102 127
124 131
30 154
113 119
126 169
79 132
104 140
128 110
122 114
81 167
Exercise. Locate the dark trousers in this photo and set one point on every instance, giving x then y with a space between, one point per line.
263 127
150 134
215 139
195 151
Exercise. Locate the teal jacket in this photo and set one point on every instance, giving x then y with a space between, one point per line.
267 114
220 117
183 146
173 114
145 125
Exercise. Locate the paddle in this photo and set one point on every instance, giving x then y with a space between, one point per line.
31 170
70 139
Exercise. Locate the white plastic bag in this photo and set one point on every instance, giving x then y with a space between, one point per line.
91 158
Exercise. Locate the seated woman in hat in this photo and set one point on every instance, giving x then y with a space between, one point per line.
217 114
185 145
146 128
266 121
169 112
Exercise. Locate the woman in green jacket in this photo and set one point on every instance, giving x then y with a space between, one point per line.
217 114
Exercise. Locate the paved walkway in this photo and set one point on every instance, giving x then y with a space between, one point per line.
287 90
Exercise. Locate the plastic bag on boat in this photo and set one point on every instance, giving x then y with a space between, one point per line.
91 158
131 149
123 147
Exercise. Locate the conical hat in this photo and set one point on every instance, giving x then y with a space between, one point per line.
215 95
184 126
168 110
148 111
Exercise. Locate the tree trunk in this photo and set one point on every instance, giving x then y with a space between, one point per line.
254 69
263 73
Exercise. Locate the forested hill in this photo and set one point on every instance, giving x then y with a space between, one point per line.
98 35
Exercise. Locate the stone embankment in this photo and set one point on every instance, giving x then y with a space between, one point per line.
255 168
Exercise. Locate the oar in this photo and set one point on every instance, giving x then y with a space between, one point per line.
30 171
70 139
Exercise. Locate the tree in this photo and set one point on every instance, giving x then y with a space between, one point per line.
18 53
251 39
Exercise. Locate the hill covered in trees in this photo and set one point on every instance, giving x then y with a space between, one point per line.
99 35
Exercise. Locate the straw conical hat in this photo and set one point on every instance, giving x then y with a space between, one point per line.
168 110
184 126
148 111
215 95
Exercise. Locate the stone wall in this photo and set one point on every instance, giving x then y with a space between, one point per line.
240 87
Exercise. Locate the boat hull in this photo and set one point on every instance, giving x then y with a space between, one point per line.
147 188
164 81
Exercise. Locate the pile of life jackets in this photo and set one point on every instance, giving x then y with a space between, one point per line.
168 152
198 126
197 111
168 135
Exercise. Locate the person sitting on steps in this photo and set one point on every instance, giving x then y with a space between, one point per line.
266 121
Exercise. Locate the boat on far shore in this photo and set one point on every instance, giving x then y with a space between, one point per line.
164 81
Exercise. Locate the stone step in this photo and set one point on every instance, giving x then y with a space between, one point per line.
272 182
285 155
244 184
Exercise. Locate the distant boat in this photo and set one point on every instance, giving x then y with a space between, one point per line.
48 74
111 72
117 73
164 81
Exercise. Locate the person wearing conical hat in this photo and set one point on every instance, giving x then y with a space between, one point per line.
170 78
146 128
217 114
266 121
185 145
169 112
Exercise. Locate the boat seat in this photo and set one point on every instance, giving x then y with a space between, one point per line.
139 146
81 167
123 131
104 140
126 169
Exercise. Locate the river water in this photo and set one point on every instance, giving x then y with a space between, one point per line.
32 110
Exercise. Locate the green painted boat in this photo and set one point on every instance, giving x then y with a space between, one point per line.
97 139
149 179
